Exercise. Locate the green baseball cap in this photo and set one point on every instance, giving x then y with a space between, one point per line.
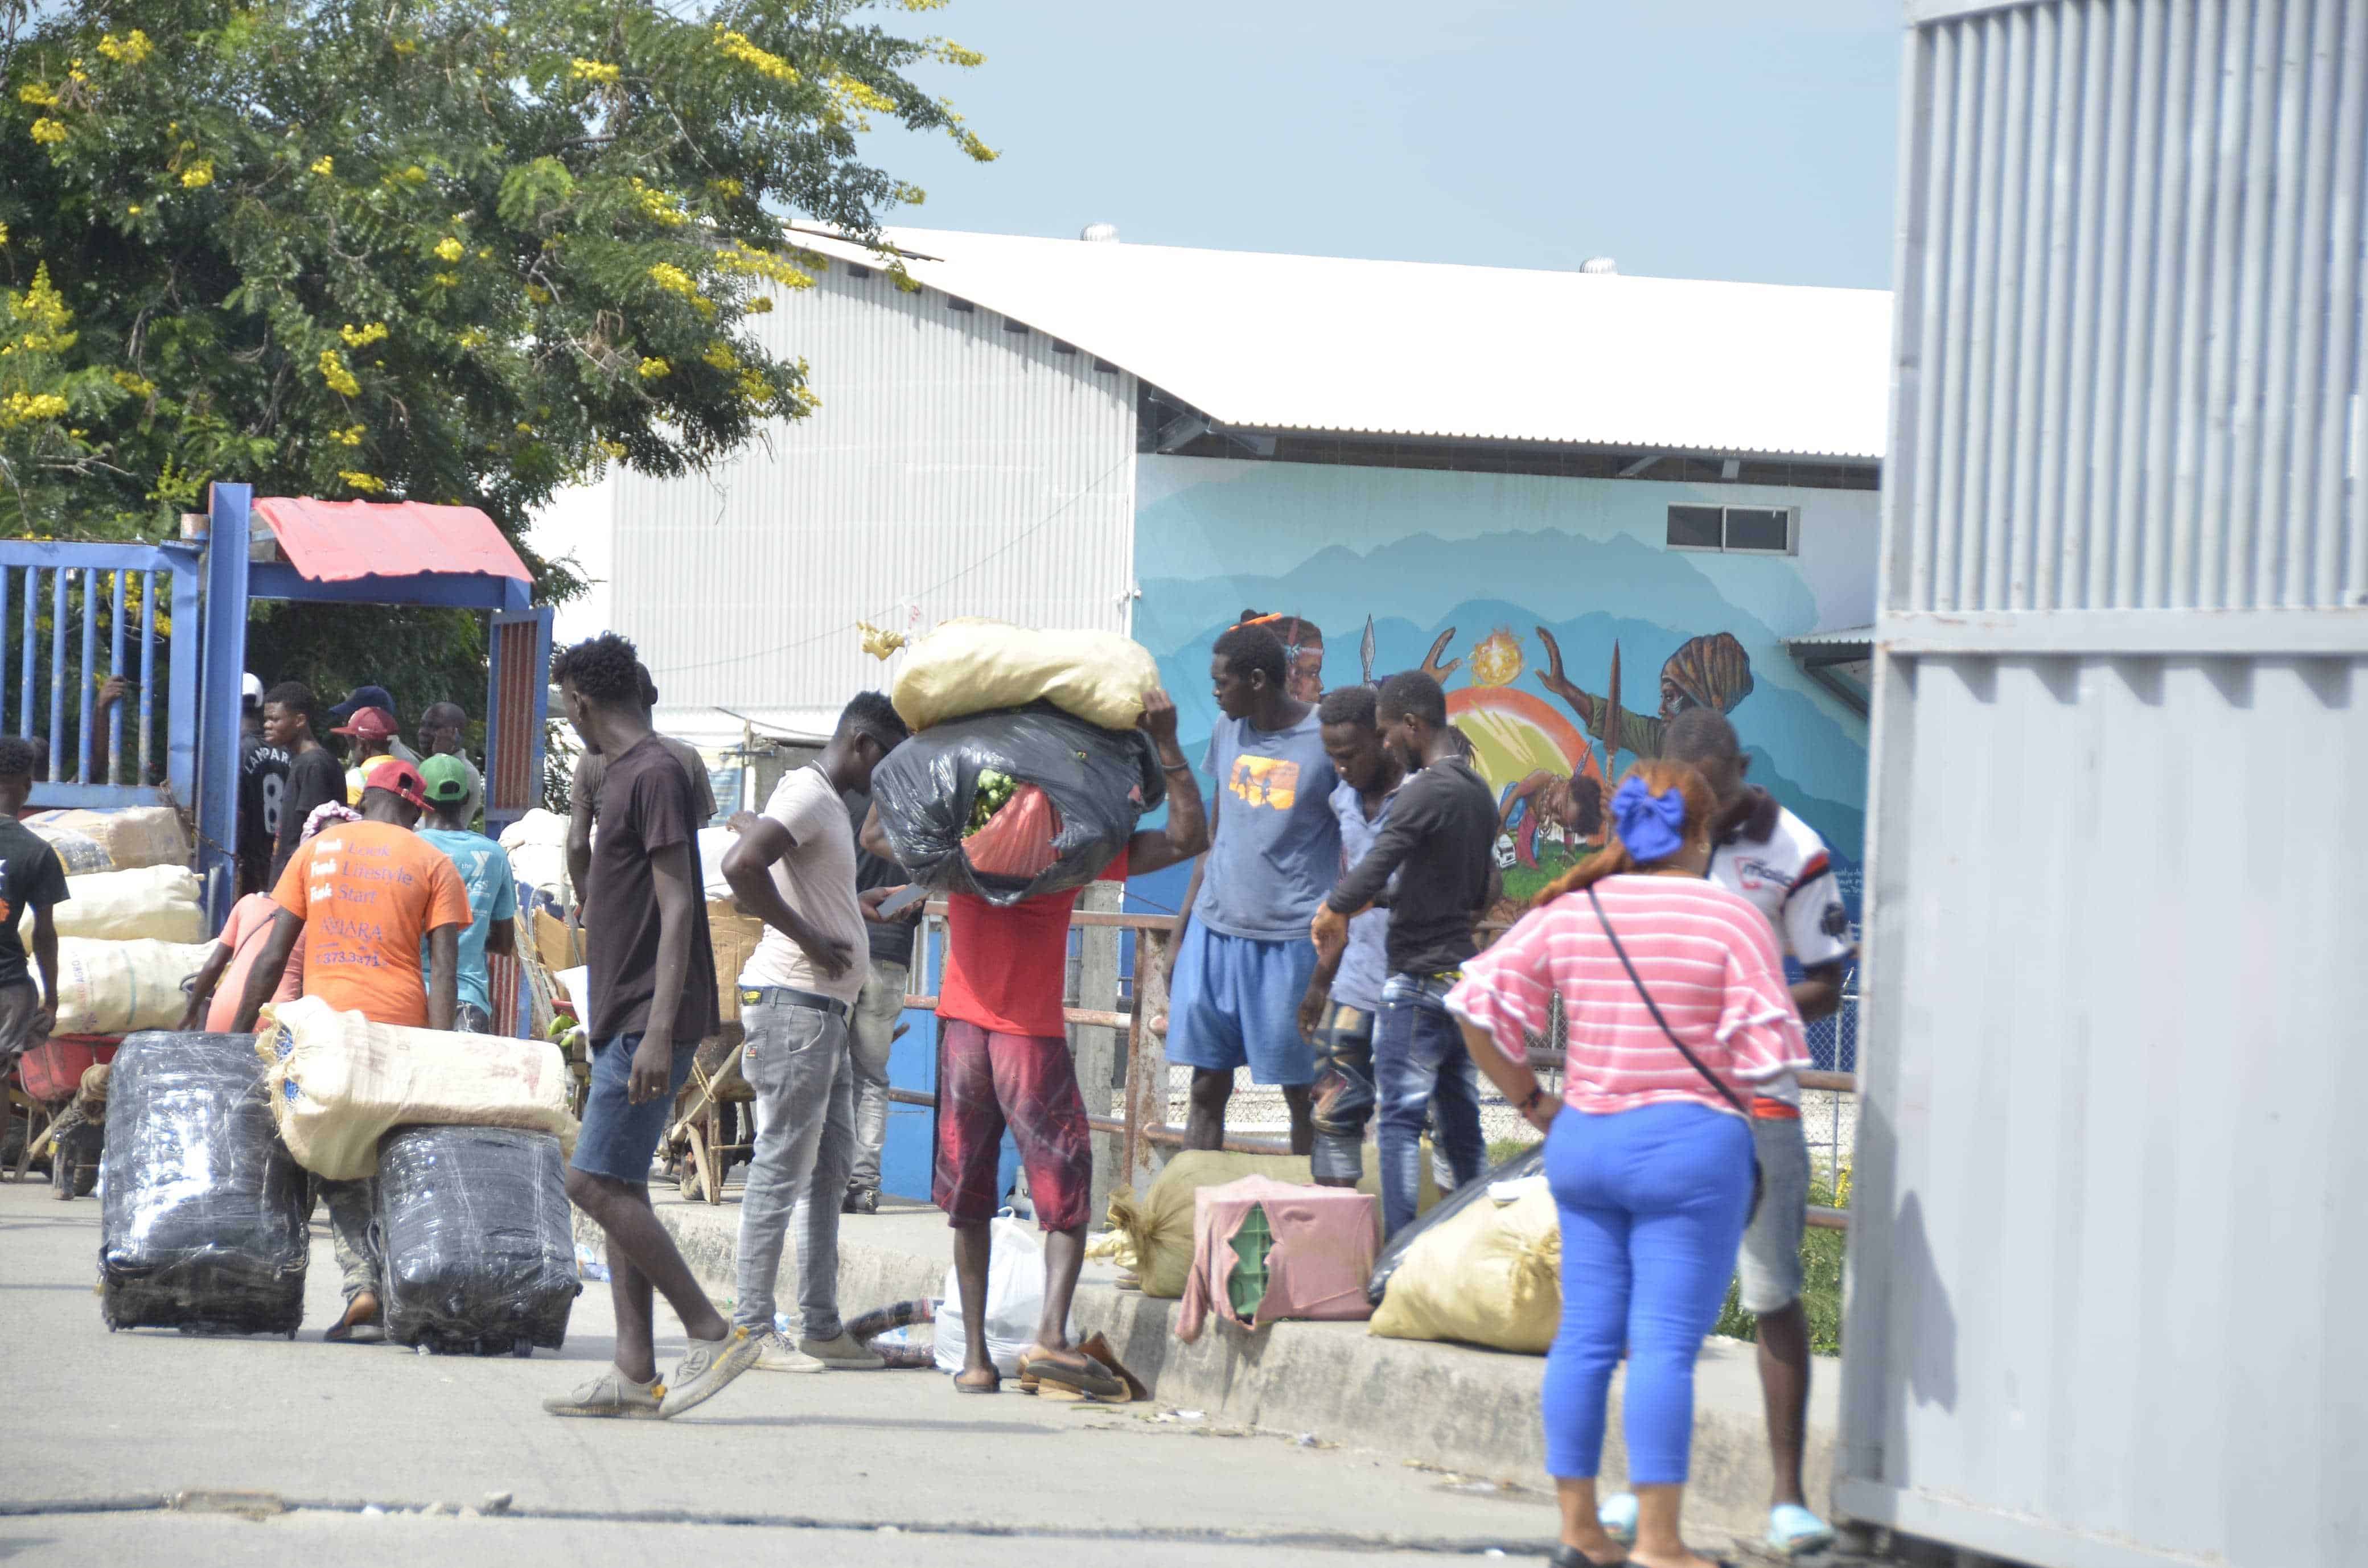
447 779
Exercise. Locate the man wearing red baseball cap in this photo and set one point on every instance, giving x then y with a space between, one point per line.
365 896
372 731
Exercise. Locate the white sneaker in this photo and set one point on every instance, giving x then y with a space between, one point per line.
775 1354
843 1354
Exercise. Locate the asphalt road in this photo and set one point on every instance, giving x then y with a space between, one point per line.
349 1446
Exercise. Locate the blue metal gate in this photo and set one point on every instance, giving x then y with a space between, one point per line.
76 614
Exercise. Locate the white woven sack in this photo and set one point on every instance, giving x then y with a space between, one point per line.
119 840
970 665
337 1083
121 987
158 903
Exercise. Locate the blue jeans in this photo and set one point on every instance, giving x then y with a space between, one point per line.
1419 1067
1653 1203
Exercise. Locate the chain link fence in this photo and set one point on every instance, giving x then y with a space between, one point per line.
1828 1117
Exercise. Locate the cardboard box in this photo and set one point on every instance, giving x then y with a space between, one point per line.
734 936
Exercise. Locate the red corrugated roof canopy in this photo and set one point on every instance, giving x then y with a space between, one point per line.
337 542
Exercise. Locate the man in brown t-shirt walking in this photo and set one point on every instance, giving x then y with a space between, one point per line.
652 984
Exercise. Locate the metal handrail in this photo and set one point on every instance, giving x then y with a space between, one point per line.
1137 1131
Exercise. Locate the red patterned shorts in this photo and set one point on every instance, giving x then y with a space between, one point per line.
987 1082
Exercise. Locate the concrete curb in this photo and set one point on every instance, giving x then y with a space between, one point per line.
1452 1406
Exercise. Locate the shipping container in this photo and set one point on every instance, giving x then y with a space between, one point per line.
2109 1197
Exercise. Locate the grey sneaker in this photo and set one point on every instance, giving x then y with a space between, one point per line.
711 1364
843 1354
612 1393
775 1354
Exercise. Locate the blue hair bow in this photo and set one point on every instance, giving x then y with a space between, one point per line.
1652 827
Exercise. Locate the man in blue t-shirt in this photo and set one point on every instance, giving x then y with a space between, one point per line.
484 868
1243 965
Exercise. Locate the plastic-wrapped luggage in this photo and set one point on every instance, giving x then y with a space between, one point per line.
472 1223
203 1222
1098 783
970 665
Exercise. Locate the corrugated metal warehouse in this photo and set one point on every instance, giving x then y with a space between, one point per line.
1130 437
1586 500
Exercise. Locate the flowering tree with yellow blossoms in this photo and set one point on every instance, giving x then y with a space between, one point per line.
460 250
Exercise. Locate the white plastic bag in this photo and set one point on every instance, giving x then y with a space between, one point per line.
537 843
1015 1301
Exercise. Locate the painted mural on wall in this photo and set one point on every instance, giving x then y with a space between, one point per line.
1566 648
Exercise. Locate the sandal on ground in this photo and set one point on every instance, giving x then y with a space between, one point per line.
367 1329
1793 1529
1567 1556
1060 1381
962 1387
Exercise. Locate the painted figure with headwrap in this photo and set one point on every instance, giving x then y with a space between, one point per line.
1711 670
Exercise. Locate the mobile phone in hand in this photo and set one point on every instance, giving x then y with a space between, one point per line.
903 902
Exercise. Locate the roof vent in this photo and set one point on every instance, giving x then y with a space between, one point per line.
1600 267
1099 234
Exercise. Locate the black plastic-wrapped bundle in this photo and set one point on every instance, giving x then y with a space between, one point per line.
203 1222
1099 781
474 1224
1528 1163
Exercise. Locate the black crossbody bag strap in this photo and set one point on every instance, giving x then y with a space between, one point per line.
1758 1178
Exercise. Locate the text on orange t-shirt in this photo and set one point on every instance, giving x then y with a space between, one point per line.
369 893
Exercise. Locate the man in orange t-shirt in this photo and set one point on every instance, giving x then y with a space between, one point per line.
363 895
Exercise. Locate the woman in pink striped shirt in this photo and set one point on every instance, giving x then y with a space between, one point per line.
1649 1156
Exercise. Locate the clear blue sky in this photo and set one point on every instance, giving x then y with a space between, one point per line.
1733 139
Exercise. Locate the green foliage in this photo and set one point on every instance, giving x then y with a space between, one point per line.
457 251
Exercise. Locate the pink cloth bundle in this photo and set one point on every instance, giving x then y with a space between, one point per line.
1324 1242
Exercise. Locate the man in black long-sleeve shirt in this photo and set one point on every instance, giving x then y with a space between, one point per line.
1432 866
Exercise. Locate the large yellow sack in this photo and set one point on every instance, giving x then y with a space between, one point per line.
1490 1276
1159 1228
123 987
114 840
969 666
157 903
337 1083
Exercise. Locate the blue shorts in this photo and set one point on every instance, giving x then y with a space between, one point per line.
1235 1001
620 1138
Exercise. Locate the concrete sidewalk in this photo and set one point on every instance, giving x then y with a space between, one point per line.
1469 1411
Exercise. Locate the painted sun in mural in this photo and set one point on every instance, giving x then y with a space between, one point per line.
1496 658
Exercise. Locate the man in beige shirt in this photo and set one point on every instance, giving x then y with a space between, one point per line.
794 868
